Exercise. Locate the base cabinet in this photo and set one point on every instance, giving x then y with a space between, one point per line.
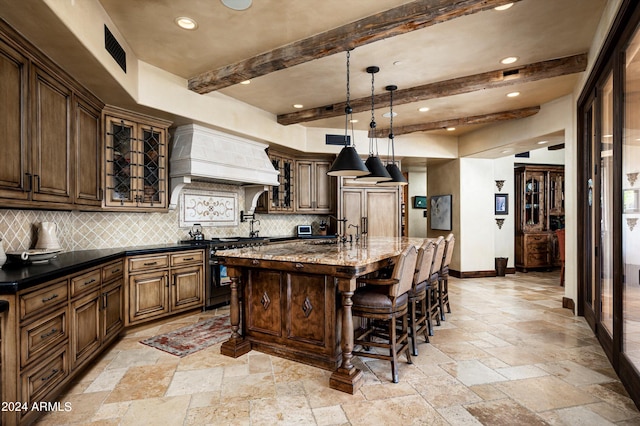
164 284
294 311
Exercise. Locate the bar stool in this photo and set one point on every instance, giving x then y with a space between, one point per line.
443 275
433 305
418 295
382 301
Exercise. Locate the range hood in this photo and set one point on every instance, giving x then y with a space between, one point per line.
203 154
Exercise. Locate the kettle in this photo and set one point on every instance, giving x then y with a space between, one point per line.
196 232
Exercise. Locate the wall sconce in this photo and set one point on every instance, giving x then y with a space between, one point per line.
631 222
631 177
499 222
499 184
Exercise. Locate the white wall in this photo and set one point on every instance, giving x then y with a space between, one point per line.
504 237
417 187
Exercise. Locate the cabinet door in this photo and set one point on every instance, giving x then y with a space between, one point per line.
556 193
51 151
534 213
325 188
383 213
187 285
85 327
112 319
88 160
152 191
148 295
14 79
305 188
121 166
352 209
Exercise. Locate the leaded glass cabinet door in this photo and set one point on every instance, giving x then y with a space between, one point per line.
151 182
121 164
534 198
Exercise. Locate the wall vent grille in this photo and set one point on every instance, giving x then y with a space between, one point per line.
115 50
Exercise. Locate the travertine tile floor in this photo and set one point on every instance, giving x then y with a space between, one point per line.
509 354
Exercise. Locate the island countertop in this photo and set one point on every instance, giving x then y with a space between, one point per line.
327 252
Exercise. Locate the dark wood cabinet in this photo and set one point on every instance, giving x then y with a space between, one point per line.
136 161
539 211
279 199
49 129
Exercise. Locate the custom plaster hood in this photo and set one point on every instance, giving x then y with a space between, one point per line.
203 154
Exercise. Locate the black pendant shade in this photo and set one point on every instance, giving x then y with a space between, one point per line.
397 178
348 163
377 169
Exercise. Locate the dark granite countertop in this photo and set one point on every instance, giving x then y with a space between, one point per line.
18 276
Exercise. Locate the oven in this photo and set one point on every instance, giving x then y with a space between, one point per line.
217 290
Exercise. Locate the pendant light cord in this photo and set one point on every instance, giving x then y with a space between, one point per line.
348 111
391 136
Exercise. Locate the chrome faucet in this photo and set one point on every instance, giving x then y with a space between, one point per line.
253 233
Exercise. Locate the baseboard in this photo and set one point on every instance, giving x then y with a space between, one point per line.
569 304
479 274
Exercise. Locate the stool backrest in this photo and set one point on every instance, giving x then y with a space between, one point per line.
403 271
437 259
425 259
450 241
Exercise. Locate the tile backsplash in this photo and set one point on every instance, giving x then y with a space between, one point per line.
94 230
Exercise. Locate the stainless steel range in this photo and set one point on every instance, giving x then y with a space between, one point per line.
217 291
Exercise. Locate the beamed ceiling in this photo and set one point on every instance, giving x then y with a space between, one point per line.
443 55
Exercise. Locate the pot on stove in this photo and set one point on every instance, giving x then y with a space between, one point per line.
196 232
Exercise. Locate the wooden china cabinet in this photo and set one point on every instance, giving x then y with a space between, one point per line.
136 160
539 210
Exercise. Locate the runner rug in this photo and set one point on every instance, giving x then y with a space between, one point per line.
192 338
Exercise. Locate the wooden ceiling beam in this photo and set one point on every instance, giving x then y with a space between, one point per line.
400 20
464 121
483 81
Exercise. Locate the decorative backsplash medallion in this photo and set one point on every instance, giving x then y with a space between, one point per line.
208 208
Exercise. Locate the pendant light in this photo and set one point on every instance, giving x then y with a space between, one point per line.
397 179
373 163
348 162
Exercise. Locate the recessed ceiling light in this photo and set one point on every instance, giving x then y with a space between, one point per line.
506 151
298 106
423 109
607 136
509 60
245 82
353 121
237 4
397 62
186 23
504 6
542 142
387 114
513 94
450 129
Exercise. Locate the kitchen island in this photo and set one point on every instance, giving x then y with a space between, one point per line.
293 300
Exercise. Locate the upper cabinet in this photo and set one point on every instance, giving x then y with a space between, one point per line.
315 190
49 126
304 186
136 160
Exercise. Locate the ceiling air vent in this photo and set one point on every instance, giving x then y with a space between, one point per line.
115 50
336 140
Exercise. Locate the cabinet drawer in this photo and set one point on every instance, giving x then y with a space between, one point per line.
42 377
112 271
187 258
40 300
148 263
42 335
536 260
537 239
85 282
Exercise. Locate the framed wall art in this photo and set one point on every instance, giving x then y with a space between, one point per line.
441 212
501 204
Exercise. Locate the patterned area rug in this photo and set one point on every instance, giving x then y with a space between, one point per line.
190 339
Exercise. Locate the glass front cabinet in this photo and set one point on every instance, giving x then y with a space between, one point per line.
539 210
136 161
